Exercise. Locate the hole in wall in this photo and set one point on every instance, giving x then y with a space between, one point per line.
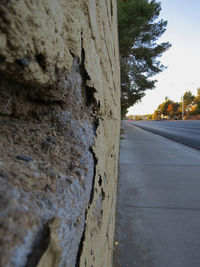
111 7
2 58
41 61
100 181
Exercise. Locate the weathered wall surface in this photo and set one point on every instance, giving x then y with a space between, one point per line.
59 125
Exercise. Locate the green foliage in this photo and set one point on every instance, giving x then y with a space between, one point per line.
194 108
167 108
150 116
139 52
173 109
188 99
163 108
188 96
156 115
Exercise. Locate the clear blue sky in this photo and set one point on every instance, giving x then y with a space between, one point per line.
182 59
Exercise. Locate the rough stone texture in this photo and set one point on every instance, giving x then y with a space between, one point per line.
59 125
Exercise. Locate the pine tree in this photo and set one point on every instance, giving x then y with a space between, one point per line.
139 31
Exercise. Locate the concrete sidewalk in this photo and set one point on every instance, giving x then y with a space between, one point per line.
158 210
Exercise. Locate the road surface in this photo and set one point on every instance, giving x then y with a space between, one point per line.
186 132
158 209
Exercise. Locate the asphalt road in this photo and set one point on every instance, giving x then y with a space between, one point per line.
186 132
158 208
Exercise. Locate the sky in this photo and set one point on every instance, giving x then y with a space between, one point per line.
182 59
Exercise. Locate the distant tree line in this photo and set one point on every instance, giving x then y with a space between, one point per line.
170 109
139 31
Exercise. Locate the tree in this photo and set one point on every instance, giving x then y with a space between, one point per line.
173 109
163 108
170 110
188 99
176 109
195 107
150 116
157 114
139 52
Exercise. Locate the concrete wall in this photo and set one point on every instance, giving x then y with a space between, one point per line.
59 125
